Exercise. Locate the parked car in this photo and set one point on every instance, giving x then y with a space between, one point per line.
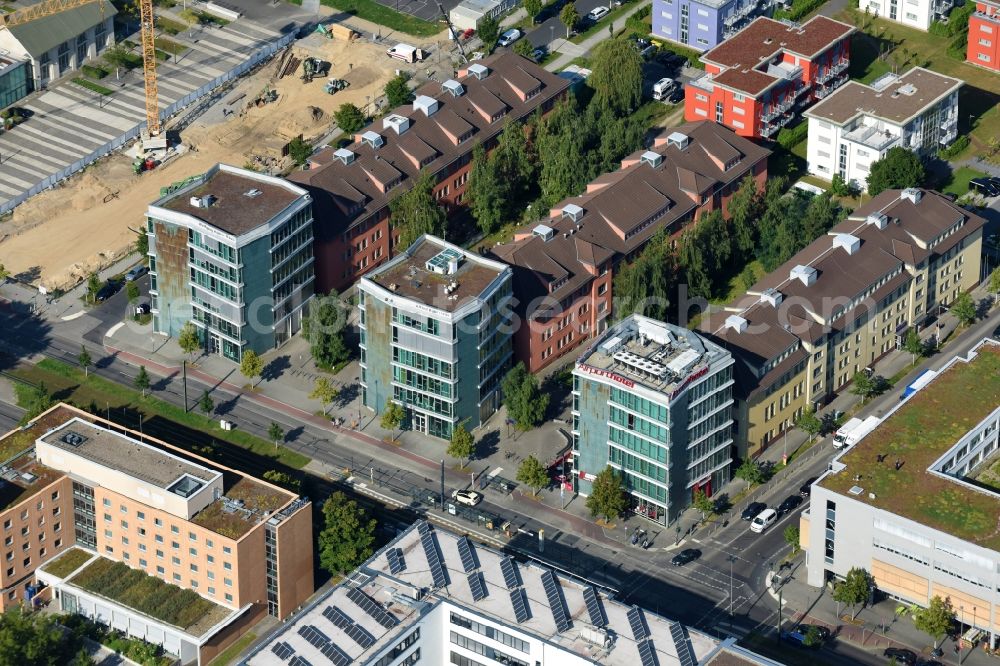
136 272
109 289
985 187
789 504
539 53
467 497
509 37
685 556
752 510
798 635
902 656
806 488
597 13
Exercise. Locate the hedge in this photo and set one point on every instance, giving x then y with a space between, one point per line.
789 138
96 73
799 9
960 144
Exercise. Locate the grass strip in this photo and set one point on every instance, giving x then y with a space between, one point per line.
370 10
90 85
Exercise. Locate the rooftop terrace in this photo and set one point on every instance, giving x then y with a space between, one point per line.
918 433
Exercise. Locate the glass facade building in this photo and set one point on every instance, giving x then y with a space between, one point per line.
654 402
15 80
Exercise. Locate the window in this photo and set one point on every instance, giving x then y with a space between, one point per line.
193 552
177 577
143 563
107 502
208 543
173 528
175 560
140 515
125 524
123 508
983 57
194 567
210 559
718 112
192 536
228 582
175 545
227 566
158 538
211 590
227 550
157 522
107 517
229 597
55 496
160 570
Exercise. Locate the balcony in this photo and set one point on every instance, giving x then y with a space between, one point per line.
833 71
942 6
871 137
983 16
948 136
703 82
949 121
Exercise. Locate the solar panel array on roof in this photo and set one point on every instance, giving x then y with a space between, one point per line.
361 636
433 558
423 527
283 650
356 632
314 636
509 569
337 617
336 656
637 623
396 562
555 601
594 607
368 605
646 654
465 552
520 603
681 645
299 661
476 586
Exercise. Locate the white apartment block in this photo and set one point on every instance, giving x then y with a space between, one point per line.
858 124
913 13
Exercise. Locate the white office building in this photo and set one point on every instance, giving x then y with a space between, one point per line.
858 124
434 597
913 13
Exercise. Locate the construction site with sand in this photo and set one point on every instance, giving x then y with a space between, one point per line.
57 238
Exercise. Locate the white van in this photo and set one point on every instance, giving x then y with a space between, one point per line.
764 519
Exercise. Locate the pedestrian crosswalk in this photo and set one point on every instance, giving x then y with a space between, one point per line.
69 122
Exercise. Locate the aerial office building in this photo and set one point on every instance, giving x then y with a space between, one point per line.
435 335
232 252
434 597
654 401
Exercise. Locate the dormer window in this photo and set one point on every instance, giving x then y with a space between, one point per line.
373 139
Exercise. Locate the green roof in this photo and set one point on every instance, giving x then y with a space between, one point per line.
46 33
928 425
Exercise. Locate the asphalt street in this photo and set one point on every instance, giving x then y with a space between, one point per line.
730 571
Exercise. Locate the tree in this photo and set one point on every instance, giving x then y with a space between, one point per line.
868 387
838 186
275 433
486 191
324 391
120 57
792 538
645 285
994 283
205 402
525 404
33 400
964 309
188 339
812 638
913 344
4 274
569 17
347 536
702 502
83 358
36 639
809 423
900 168
748 277
299 150
936 620
142 380
93 286
416 212
462 445
562 153
392 417
489 32
745 208
349 118
607 495
324 328
750 472
853 590
252 366
283 479
132 291
397 92
532 7
533 474
616 76
142 246
523 48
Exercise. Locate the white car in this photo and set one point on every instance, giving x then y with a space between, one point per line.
467 497
597 13
509 37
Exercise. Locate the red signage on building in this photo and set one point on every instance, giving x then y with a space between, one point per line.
693 376
609 375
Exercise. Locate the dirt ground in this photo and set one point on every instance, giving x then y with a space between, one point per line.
58 237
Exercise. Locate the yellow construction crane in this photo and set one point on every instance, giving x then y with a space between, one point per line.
44 8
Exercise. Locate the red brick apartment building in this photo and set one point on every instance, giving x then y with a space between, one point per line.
759 80
352 187
984 35
563 267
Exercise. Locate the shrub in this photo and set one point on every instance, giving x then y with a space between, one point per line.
93 72
960 144
798 9
788 138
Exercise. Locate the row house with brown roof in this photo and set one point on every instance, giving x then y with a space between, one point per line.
352 187
564 266
850 297
759 80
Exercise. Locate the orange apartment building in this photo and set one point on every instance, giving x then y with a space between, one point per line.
564 266
351 187
984 35
118 497
759 80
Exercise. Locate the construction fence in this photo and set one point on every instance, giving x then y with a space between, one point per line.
165 113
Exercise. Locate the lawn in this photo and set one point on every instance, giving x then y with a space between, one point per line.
170 26
958 184
918 434
68 384
170 46
67 563
978 99
370 10
236 649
